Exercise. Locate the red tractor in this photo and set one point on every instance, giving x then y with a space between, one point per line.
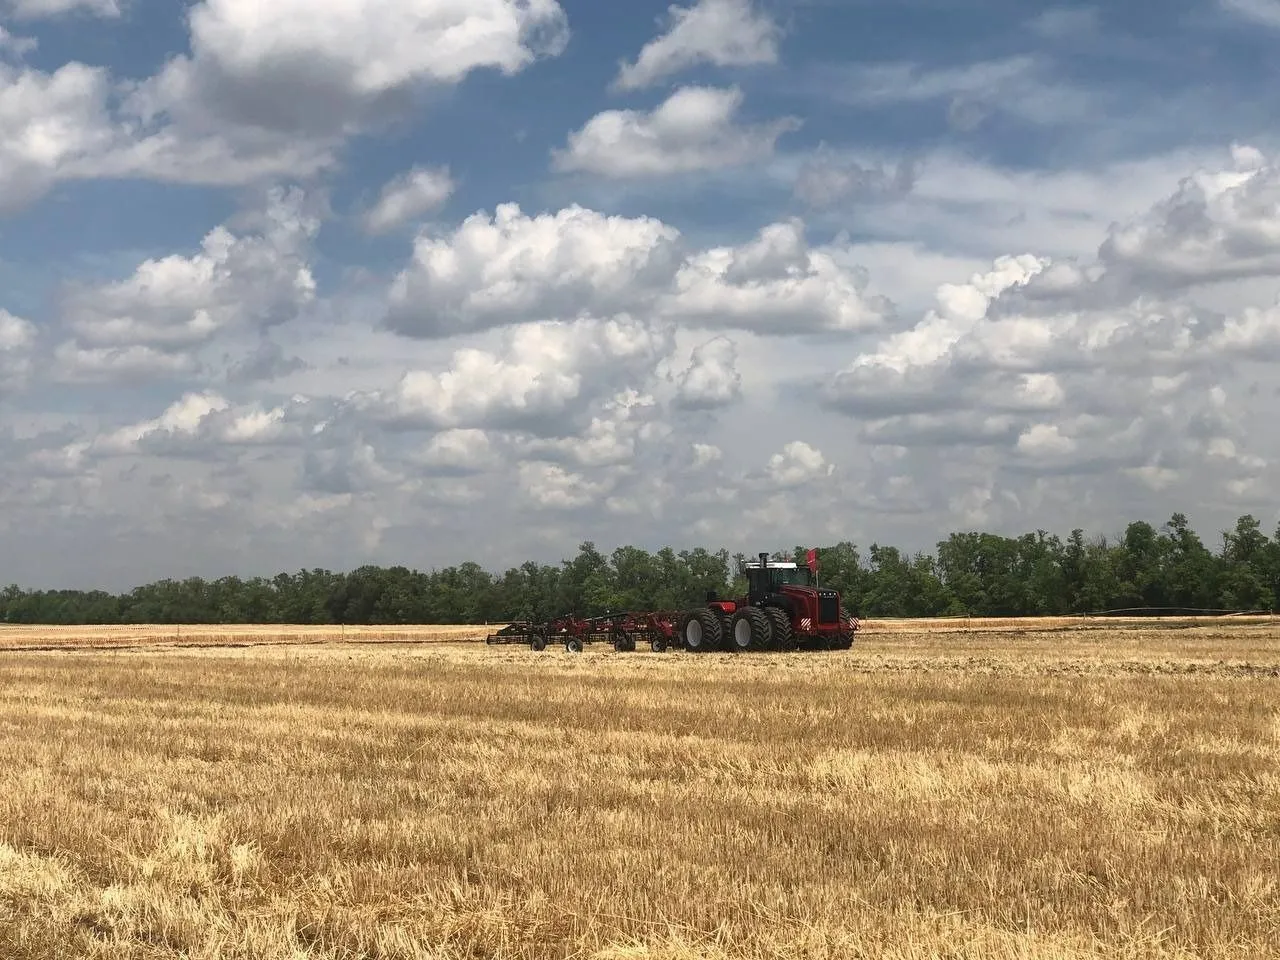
783 610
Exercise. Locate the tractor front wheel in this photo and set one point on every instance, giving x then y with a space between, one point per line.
844 639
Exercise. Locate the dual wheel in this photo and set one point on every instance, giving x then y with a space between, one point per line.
750 628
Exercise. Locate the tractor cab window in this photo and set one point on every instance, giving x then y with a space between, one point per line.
765 581
800 576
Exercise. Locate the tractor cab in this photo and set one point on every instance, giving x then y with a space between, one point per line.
766 577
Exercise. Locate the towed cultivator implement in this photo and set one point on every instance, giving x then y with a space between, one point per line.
625 631
783 610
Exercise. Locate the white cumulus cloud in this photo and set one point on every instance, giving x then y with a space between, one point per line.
546 375
724 33
613 437
409 196
174 304
775 283
17 337
711 379
1118 365
76 364
1265 12
695 129
37 9
798 463
274 89
549 486
899 376
1219 225
199 423
1045 439
825 180
184 416
705 454
512 267
15 333
309 65
460 451
51 125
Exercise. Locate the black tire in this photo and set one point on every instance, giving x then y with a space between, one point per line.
784 636
844 639
573 645
700 631
658 645
539 642
749 630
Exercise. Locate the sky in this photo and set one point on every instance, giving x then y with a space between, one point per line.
322 283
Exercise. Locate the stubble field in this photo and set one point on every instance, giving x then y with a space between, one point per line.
1040 790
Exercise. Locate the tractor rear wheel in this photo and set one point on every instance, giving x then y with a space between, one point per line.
700 631
750 630
784 637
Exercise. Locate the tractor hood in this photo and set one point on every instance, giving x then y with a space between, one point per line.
796 590
822 604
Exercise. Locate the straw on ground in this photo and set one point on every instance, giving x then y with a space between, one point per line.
926 795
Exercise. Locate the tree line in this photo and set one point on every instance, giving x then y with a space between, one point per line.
981 574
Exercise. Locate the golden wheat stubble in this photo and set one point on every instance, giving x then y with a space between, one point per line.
908 799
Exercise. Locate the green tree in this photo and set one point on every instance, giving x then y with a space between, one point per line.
1140 568
1246 582
1190 571
974 572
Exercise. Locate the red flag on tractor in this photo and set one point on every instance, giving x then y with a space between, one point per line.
812 558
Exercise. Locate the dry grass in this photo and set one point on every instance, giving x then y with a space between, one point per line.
1037 795
221 635
932 625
